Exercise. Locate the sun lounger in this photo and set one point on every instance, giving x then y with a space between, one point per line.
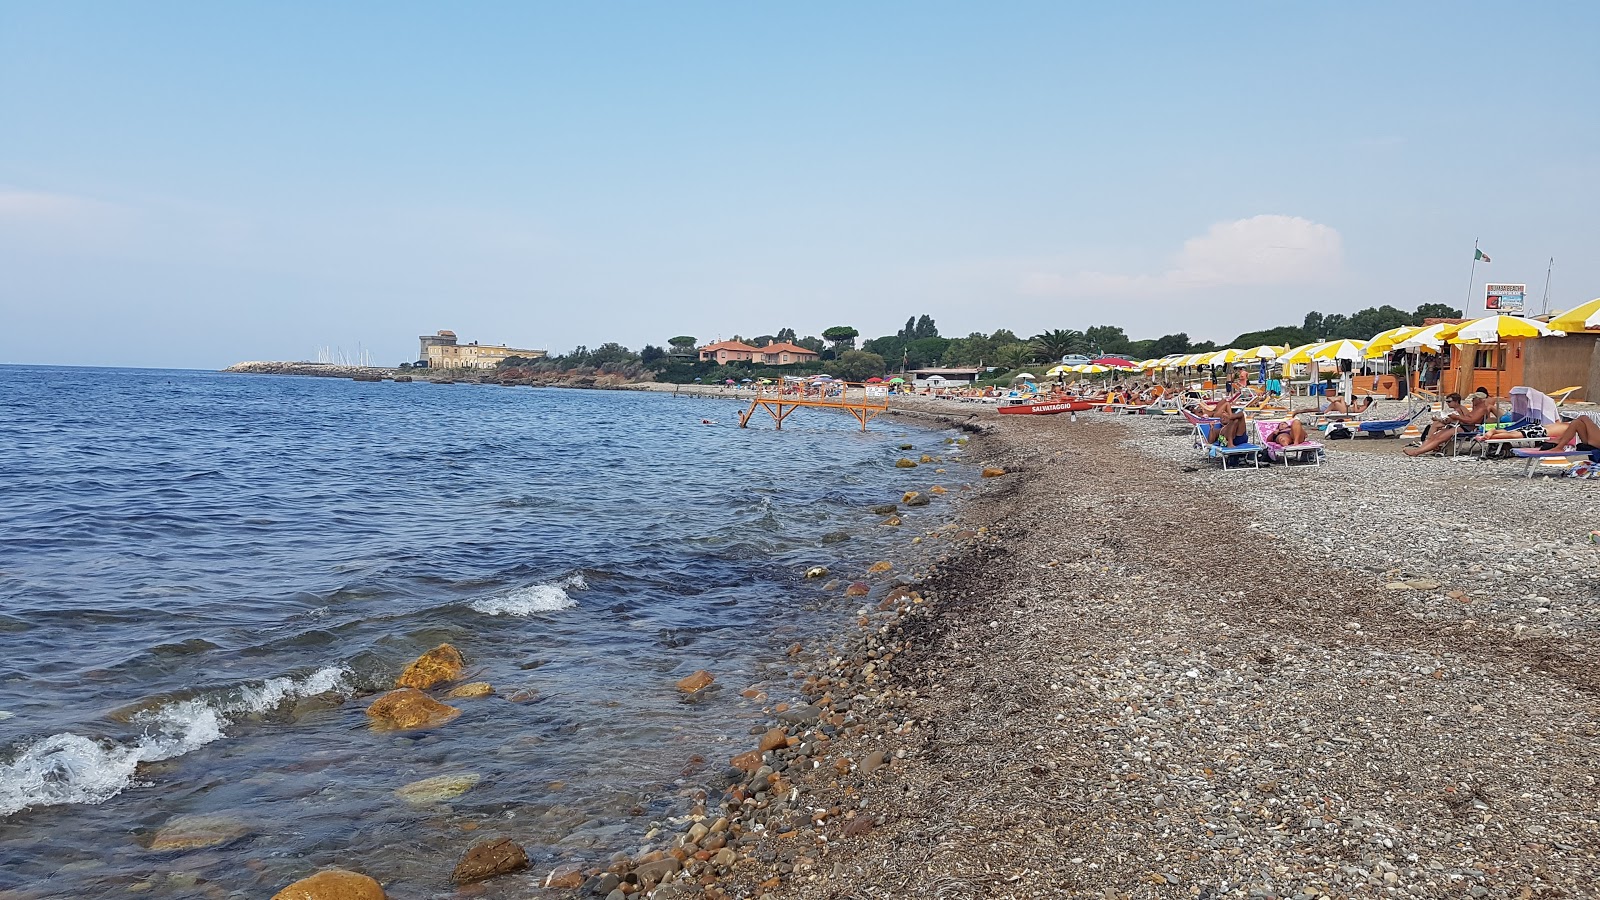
1205 431
1305 453
1556 462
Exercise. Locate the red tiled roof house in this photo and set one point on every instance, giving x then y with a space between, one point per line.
783 353
729 351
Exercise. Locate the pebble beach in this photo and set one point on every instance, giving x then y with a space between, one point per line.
1133 674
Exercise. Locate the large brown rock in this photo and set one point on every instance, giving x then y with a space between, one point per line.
696 682
408 709
332 884
486 859
439 665
773 739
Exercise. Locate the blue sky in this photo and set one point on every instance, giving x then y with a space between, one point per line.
192 184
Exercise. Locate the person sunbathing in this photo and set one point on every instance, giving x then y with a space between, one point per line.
1462 421
1217 408
1557 435
1337 406
1231 429
1289 434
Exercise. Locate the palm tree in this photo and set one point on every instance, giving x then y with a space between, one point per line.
1052 345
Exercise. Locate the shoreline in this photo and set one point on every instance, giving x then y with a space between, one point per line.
1130 674
1198 705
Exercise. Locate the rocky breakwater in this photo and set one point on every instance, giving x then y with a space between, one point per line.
319 370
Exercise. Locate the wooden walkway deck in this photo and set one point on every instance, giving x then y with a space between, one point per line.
780 407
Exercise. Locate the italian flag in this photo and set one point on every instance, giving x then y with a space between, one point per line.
1480 255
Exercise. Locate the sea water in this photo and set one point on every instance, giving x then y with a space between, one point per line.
205 577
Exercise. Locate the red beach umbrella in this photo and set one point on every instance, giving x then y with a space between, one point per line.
1115 362
874 380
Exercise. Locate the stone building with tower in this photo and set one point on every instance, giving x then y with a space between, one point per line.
443 351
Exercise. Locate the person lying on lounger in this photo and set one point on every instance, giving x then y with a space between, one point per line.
1557 435
1462 421
1337 405
1289 434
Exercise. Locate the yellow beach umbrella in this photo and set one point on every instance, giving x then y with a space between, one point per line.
1385 341
1300 354
1341 349
1092 369
1579 318
1265 351
1223 357
1494 329
1431 338
1057 372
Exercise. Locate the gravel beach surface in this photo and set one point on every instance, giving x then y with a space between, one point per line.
1136 675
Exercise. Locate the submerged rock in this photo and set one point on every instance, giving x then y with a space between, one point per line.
917 500
472 691
438 789
193 832
885 509
439 665
817 572
698 681
408 709
332 884
487 859
903 463
880 566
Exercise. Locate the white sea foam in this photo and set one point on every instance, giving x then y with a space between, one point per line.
538 598
71 768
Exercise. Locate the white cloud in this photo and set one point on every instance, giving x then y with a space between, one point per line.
22 207
1261 250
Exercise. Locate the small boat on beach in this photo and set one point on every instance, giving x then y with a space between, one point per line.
1025 407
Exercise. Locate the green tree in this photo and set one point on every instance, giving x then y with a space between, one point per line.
682 342
1434 311
651 354
924 328
858 365
1103 339
842 337
1052 345
923 352
810 342
1014 355
1168 344
1282 336
785 335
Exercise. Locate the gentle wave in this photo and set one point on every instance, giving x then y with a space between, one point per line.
71 768
548 597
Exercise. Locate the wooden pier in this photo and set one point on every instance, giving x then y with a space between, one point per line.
780 405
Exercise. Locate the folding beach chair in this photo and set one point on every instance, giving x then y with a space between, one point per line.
1305 453
1391 427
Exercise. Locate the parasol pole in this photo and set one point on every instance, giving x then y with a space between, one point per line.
1466 310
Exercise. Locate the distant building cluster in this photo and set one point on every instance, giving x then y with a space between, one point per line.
781 353
442 351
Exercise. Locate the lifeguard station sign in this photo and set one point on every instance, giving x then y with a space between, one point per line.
1505 298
